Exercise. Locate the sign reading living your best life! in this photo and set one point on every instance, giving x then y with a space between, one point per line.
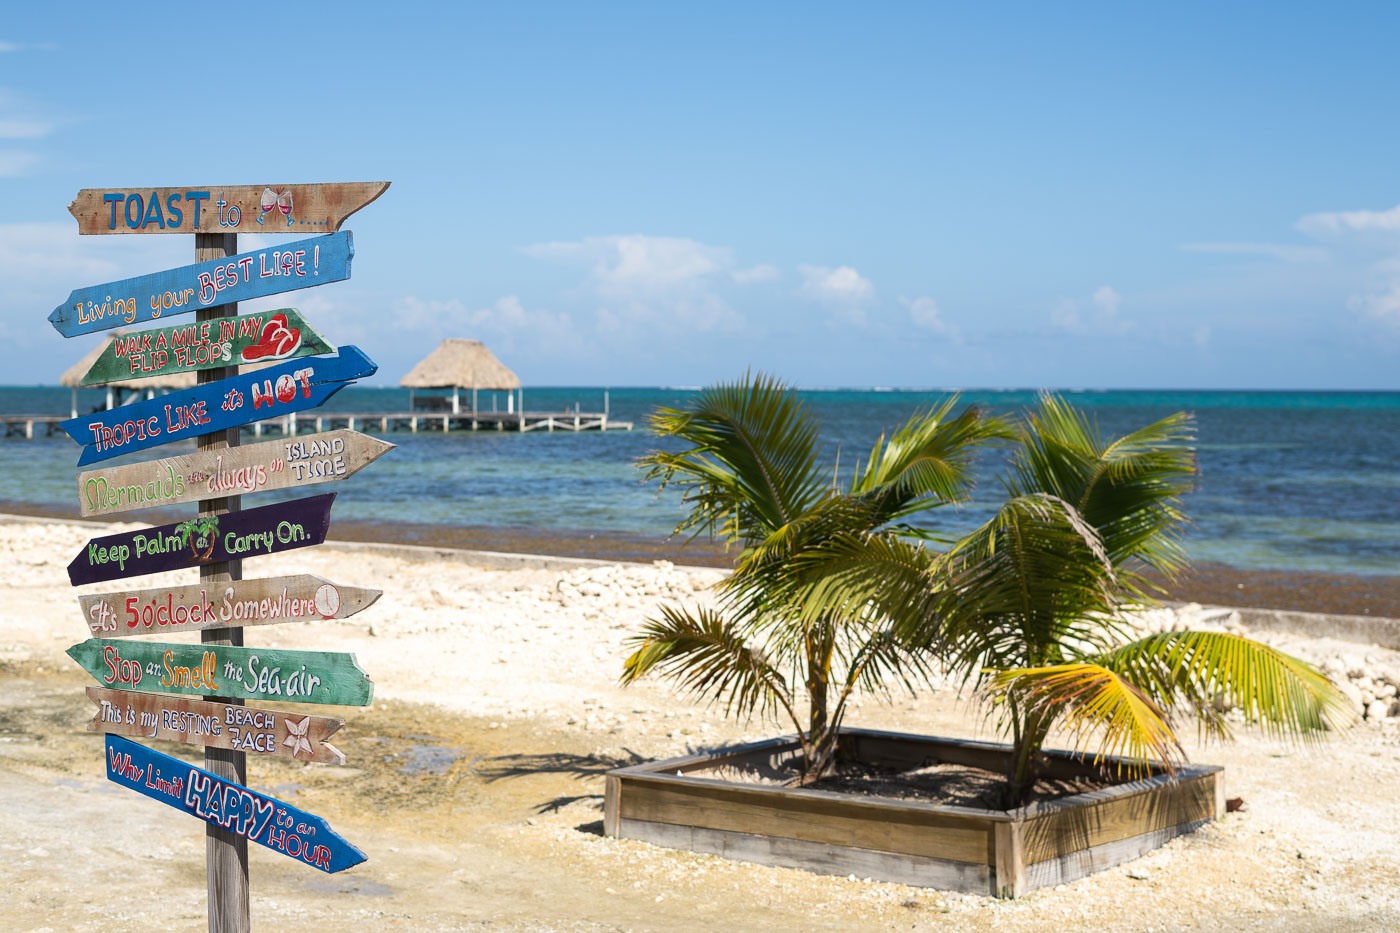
320 208
254 816
266 337
235 471
293 386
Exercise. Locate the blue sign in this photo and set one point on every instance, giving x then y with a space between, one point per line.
261 819
300 264
295 385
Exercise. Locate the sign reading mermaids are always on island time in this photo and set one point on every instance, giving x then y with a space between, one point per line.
208 539
262 819
235 341
319 208
225 671
301 264
295 385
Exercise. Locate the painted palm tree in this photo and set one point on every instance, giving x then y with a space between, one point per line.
749 466
1030 604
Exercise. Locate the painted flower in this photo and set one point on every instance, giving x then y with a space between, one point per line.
296 736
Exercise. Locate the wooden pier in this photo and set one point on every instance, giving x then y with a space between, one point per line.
381 422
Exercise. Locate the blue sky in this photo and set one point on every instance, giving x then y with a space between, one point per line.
635 194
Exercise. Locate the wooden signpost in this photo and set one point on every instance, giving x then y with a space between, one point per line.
204 541
295 385
223 281
240 603
229 805
219 669
222 209
249 338
271 465
215 725
226 671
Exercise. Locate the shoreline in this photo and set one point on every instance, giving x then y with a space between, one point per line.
1208 583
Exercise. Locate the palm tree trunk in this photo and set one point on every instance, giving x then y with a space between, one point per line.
1026 759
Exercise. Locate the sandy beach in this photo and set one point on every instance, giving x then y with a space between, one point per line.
474 781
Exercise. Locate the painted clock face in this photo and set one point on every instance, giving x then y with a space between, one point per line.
327 600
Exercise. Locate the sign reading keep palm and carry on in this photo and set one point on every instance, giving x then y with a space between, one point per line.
193 693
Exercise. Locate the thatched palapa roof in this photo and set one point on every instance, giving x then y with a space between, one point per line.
73 376
462 364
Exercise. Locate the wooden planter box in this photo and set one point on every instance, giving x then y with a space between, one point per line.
1006 853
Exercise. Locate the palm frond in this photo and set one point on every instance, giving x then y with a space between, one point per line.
1211 672
1099 707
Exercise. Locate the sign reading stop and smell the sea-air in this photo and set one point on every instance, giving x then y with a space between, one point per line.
222 208
254 816
234 604
211 670
293 386
208 539
236 471
215 725
266 337
300 264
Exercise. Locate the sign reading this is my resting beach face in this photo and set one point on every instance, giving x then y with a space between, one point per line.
319 260
265 820
213 670
215 725
208 539
235 341
235 471
320 208
295 385
233 604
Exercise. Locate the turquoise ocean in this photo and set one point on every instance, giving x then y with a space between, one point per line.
1288 480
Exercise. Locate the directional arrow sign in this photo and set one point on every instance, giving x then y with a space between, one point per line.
209 539
295 385
222 208
249 338
262 819
234 604
300 264
215 725
271 465
224 671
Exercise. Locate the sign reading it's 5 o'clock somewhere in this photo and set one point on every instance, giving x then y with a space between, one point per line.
318 260
235 341
232 209
236 471
215 725
295 385
239 603
262 819
268 529
213 670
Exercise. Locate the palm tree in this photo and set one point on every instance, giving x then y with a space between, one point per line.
751 474
1030 604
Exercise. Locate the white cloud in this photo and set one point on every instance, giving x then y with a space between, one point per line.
759 273
1065 314
9 47
24 129
842 285
1335 222
1107 300
1099 318
925 313
1280 251
14 164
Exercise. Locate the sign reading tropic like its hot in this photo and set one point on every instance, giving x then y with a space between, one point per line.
229 209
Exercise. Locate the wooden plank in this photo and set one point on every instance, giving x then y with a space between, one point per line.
1074 865
204 541
265 337
770 811
215 725
293 386
280 208
233 604
287 464
247 813
227 280
823 858
1011 880
213 670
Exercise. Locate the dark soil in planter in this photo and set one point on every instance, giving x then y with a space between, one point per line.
949 784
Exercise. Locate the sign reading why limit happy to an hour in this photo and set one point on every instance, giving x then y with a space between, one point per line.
254 816
295 385
208 539
250 338
318 208
318 260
